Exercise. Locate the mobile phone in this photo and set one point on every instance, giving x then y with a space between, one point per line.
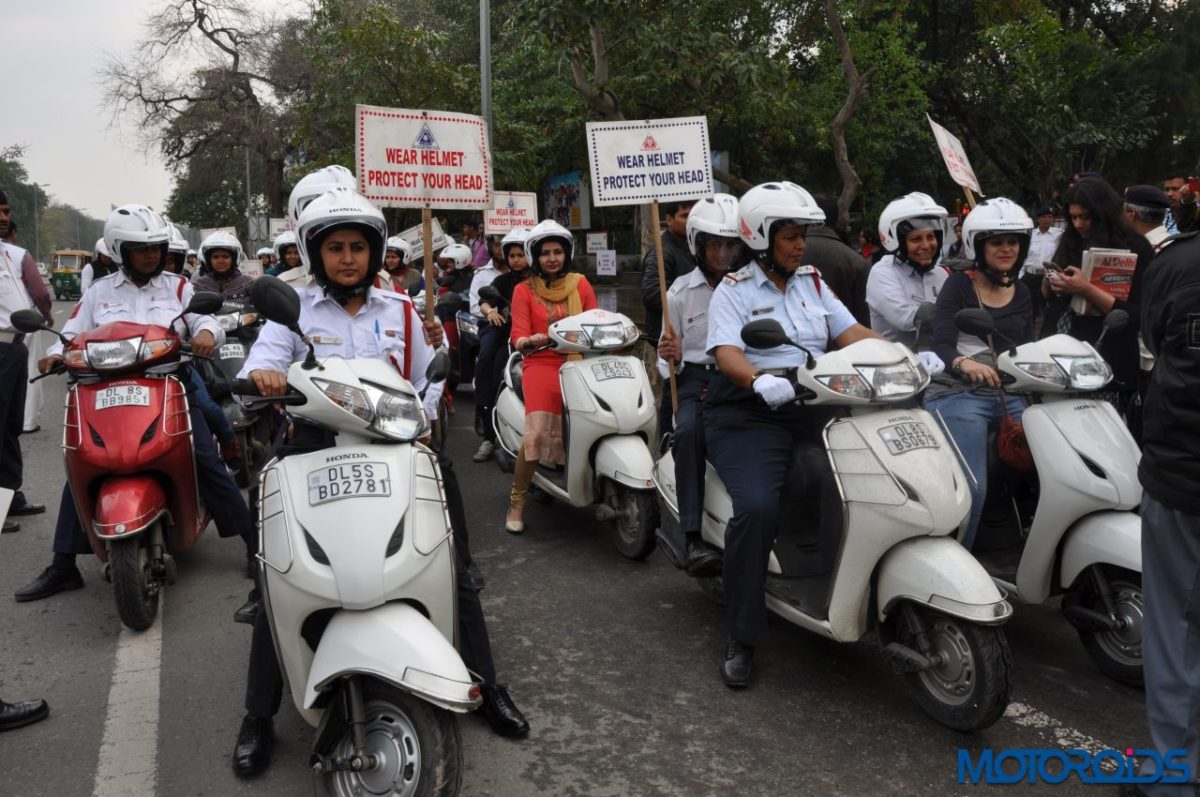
1050 265
1193 185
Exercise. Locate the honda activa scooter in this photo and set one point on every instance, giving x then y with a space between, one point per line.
1084 539
127 443
895 567
609 423
358 576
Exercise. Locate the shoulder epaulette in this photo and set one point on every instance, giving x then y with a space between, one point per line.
741 275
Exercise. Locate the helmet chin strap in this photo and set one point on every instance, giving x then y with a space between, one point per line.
343 295
1003 279
768 264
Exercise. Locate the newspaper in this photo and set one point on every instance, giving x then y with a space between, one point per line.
1110 270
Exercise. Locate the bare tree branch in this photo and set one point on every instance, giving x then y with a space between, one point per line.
856 89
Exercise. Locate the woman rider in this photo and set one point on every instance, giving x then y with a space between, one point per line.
911 231
220 254
552 293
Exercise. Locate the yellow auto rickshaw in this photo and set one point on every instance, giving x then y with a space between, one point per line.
65 270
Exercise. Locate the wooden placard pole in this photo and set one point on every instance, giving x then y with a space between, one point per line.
427 245
662 292
970 197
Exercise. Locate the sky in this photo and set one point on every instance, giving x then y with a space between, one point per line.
54 54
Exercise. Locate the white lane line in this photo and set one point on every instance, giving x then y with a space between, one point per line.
1064 736
129 752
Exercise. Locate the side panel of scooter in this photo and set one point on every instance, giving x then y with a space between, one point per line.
1110 538
938 572
395 643
508 418
1060 435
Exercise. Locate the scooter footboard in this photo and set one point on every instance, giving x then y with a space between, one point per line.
397 644
1111 537
626 460
126 505
941 574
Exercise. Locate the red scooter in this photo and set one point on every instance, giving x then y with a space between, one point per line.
127 442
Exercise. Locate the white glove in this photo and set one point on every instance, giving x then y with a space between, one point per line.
664 370
433 395
775 390
933 364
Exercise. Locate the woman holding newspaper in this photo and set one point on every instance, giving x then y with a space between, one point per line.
1079 299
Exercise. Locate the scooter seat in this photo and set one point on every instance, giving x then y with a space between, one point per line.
515 371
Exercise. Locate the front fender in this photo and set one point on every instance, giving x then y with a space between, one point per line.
625 459
397 644
126 505
1112 537
939 573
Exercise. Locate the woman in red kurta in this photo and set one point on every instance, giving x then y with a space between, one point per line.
550 295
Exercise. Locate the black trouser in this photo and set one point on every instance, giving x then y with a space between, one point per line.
264 680
14 371
689 448
487 376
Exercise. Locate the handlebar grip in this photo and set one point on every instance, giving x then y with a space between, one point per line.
245 387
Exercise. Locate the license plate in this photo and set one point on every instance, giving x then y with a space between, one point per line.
231 350
901 438
123 396
335 482
612 370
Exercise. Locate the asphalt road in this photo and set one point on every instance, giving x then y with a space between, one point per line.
614 662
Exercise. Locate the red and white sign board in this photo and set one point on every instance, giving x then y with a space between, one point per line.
657 159
510 210
417 159
414 237
955 156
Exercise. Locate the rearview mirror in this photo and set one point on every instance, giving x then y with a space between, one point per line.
28 321
1115 321
204 303
765 333
276 301
975 321
925 315
439 367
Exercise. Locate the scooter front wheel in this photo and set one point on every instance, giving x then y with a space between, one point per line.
134 585
637 518
970 682
416 746
1117 652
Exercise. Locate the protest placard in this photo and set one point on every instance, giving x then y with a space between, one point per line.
606 263
510 210
596 242
415 239
653 160
956 159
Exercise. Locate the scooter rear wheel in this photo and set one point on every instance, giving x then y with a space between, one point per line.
417 744
637 518
133 582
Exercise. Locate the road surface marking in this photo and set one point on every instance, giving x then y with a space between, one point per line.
1065 737
129 752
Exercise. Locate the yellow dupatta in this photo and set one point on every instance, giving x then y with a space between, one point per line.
564 289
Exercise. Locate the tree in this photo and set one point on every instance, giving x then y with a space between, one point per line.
25 199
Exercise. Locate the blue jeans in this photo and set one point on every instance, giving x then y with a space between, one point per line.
213 414
969 418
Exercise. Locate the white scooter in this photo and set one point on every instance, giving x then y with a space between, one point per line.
358 579
894 566
1084 540
609 423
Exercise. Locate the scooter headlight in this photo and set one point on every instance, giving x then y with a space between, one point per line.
1045 372
1085 372
895 381
847 384
107 355
610 336
353 400
398 415
229 321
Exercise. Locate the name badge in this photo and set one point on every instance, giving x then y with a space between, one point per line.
328 340
393 333
762 310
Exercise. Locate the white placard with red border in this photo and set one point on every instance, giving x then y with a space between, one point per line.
955 156
597 242
413 236
510 210
634 162
606 263
416 159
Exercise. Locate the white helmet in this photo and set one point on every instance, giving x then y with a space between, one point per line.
460 254
515 237
283 241
995 216
221 240
399 246
264 251
548 230
314 184
910 212
764 205
715 216
191 253
177 243
100 248
135 226
340 207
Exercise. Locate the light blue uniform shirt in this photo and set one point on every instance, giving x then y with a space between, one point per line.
809 316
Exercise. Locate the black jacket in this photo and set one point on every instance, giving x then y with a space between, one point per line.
677 261
844 270
1170 469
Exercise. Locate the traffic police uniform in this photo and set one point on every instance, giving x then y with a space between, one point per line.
386 327
14 370
159 301
750 445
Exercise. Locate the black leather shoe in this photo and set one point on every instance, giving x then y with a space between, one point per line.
735 670
18 715
702 561
253 752
10 526
53 579
27 509
501 713
248 610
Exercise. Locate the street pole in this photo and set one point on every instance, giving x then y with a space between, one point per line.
485 66
37 238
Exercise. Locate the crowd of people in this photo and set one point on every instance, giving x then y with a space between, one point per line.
770 254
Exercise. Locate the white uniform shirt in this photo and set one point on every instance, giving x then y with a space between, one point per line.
894 293
13 296
375 332
1157 236
117 298
688 303
809 316
483 276
1042 246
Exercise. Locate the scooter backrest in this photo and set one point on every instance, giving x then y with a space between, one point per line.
276 300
